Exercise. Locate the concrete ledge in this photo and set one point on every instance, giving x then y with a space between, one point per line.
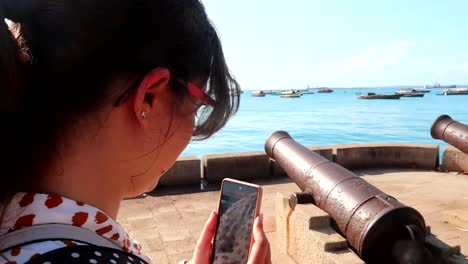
387 155
241 166
186 170
325 151
454 160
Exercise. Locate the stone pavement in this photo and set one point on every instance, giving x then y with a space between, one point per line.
169 222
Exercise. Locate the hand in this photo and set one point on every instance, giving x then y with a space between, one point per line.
205 242
260 253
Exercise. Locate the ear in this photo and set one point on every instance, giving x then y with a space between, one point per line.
144 101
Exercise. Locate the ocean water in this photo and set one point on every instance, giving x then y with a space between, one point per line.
336 118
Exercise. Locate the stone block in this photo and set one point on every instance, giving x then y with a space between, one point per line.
325 151
283 211
185 171
306 236
240 166
388 155
312 240
454 160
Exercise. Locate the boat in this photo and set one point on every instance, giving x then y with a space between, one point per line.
306 91
437 85
457 91
415 94
269 92
410 93
422 90
258 94
325 90
379 96
291 94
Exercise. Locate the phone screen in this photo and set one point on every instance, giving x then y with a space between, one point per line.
235 223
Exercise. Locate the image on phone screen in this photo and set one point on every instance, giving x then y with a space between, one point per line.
236 216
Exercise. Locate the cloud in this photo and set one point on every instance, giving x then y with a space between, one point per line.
379 56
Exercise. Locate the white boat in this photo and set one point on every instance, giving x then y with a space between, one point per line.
422 90
456 91
410 93
291 94
325 90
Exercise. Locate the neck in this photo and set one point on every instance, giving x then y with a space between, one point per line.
85 170
85 184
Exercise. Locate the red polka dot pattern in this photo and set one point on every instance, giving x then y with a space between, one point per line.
27 199
79 218
28 209
104 230
16 251
53 201
115 236
100 218
26 220
68 243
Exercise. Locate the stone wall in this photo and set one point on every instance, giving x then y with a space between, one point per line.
378 155
256 165
454 160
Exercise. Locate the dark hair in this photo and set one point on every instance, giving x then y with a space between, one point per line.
58 66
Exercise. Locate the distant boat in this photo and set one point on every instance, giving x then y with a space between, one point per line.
415 94
269 92
325 90
437 85
379 96
291 94
459 91
306 91
258 94
410 93
422 90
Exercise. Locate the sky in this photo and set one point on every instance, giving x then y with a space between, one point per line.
272 44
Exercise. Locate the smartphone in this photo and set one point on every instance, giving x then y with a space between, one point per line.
239 205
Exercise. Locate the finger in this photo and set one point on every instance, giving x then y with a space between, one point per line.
261 246
268 255
203 247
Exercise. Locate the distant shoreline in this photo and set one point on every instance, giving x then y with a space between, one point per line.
368 87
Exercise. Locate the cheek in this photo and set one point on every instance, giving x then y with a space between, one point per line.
184 132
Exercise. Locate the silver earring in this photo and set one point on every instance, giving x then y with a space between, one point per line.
144 114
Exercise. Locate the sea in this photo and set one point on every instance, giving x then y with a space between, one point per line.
333 118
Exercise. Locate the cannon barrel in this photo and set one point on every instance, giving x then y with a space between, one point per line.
372 222
451 131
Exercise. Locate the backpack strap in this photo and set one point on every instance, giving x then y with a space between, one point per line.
86 254
46 232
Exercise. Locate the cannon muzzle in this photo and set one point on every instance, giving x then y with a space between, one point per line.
373 222
451 131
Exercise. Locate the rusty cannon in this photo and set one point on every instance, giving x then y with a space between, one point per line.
451 131
377 227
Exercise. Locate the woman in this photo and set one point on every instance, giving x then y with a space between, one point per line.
98 99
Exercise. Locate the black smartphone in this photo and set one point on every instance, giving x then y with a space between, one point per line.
239 205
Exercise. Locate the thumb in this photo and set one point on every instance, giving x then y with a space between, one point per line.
260 246
203 248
